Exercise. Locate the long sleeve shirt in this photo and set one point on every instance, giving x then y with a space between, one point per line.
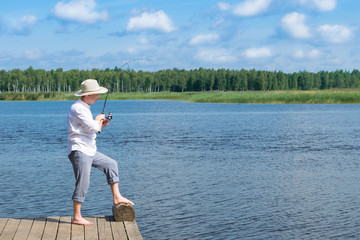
82 129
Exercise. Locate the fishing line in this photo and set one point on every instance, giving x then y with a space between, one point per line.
109 116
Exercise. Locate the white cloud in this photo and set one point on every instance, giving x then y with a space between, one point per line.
203 38
251 7
218 22
158 21
257 52
321 5
214 56
33 54
335 33
223 6
25 25
143 41
294 24
299 54
313 54
81 11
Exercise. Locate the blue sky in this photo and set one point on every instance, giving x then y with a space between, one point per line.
281 35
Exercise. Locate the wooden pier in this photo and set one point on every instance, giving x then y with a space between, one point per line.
59 228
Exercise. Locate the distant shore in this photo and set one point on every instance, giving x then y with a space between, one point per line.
308 97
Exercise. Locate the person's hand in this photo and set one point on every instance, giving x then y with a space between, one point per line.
105 122
100 117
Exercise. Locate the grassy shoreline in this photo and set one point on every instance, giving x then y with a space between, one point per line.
308 97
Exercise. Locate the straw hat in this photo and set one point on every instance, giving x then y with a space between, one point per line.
90 87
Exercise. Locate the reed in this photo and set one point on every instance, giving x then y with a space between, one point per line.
36 96
309 97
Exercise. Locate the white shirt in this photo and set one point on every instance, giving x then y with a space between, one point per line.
82 129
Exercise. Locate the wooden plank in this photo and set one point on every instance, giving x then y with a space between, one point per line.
10 229
60 228
77 232
51 228
23 229
118 230
104 228
91 232
64 229
3 222
37 229
132 230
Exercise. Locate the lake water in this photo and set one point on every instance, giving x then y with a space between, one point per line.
195 170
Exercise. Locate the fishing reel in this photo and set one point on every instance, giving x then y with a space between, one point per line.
109 116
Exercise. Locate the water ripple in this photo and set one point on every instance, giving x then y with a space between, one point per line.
196 171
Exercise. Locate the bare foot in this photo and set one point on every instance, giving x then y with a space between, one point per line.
82 221
121 199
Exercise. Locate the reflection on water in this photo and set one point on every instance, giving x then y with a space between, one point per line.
195 171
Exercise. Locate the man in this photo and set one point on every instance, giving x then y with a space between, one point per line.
82 150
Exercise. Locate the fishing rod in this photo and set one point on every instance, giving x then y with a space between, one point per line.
109 116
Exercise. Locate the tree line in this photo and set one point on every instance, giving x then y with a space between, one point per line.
175 80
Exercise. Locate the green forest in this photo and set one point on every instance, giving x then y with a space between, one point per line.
175 80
